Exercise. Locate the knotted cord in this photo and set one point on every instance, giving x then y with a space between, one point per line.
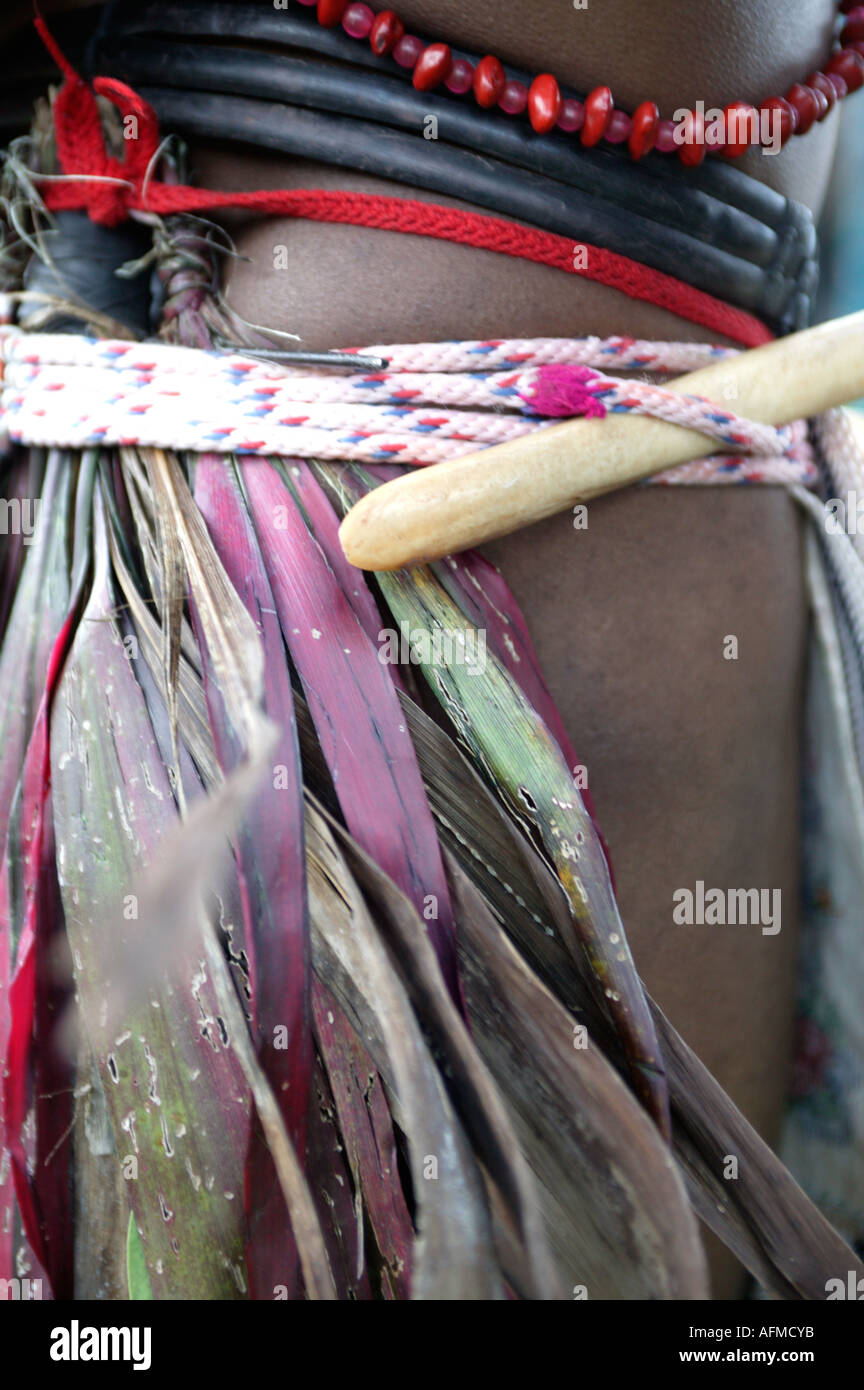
63 389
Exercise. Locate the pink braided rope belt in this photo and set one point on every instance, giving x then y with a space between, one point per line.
434 401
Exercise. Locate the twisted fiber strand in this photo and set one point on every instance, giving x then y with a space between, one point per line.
119 392
221 399
411 391
693 412
302 443
187 408
717 470
67 389
624 354
478 358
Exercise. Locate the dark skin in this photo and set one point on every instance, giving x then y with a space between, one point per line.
693 760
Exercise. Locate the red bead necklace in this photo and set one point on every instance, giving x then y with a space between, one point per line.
597 118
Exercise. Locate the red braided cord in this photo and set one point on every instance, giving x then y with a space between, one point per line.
52 46
445 224
81 150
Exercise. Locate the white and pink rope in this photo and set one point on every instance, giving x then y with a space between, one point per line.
432 402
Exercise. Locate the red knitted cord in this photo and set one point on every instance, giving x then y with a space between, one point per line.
81 150
52 46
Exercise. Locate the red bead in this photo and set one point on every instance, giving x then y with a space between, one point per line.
330 12
788 116
818 82
857 47
432 67
514 98
665 141
646 119
598 113
692 151
741 122
850 66
572 116
544 103
619 128
853 29
385 33
838 84
461 77
821 102
357 21
407 51
805 104
489 79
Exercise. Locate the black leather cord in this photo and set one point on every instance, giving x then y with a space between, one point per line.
762 263
297 30
322 86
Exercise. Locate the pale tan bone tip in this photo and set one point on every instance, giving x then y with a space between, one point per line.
452 506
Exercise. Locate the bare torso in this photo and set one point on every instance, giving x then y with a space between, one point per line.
692 758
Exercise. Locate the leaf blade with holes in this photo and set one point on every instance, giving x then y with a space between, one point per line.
171 1081
526 767
270 856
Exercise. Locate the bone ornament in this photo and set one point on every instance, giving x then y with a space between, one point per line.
462 503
